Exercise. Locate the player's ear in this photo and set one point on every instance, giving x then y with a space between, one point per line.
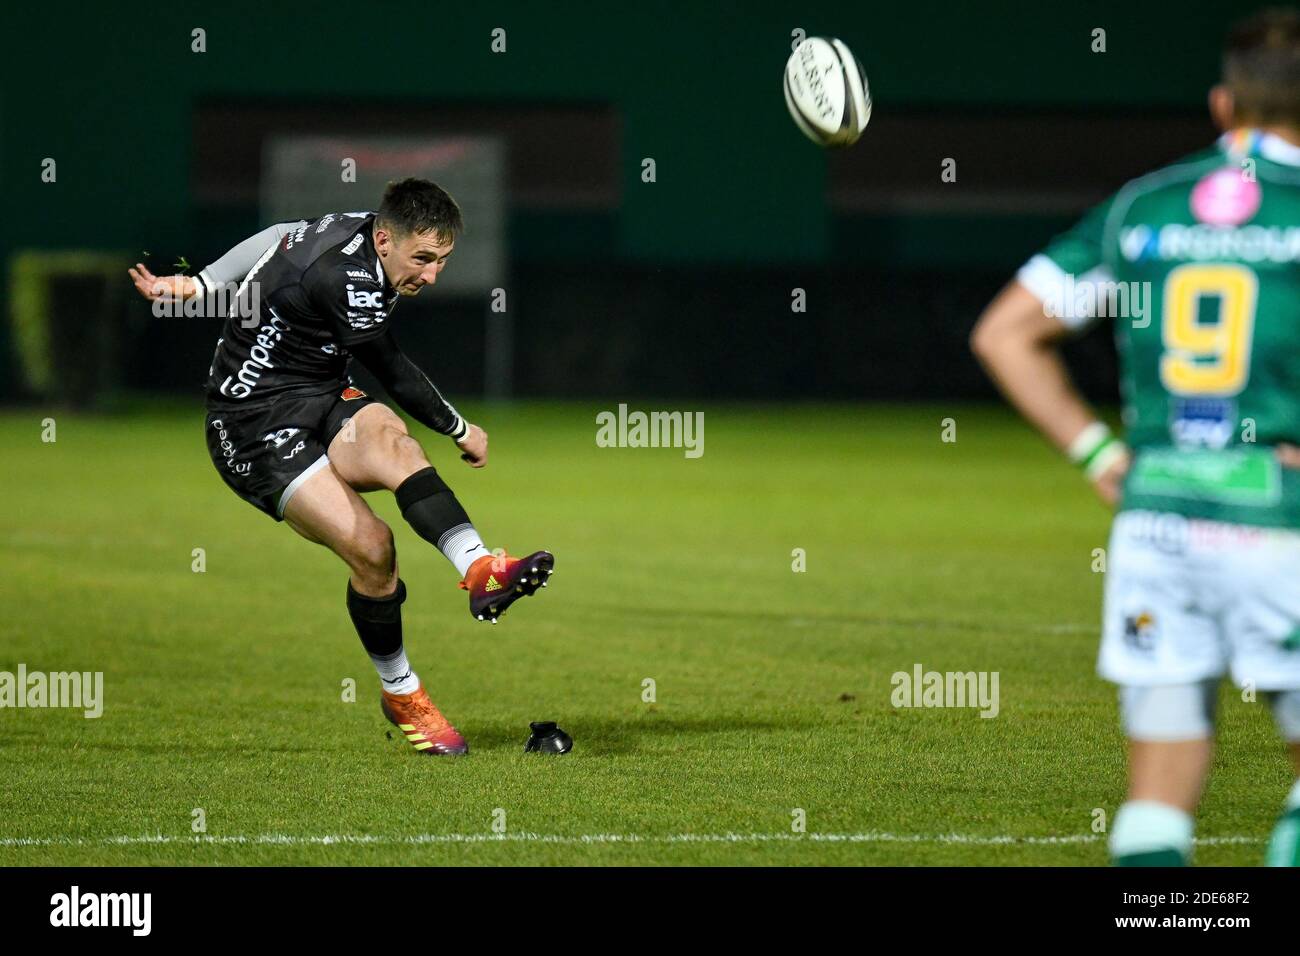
1221 107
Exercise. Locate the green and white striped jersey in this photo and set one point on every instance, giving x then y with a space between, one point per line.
1198 265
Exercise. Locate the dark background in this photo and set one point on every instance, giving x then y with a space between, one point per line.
677 288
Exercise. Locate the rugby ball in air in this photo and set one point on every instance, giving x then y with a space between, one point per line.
826 92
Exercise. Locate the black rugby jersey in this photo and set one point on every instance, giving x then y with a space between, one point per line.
314 297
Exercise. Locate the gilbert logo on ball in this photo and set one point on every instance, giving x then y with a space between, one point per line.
1226 198
826 92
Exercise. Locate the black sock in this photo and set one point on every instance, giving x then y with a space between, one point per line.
429 506
433 511
378 620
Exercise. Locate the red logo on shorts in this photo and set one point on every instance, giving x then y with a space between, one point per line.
350 393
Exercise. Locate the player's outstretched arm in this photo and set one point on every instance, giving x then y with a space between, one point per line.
240 259
418 397
162 288
1018 344
231 267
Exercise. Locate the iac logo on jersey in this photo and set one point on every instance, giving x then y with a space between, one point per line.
364 300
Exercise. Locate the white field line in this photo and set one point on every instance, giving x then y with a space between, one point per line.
346 839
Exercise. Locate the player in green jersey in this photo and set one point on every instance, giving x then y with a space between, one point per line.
1198 266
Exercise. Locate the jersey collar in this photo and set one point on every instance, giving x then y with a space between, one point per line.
1245 141
380 274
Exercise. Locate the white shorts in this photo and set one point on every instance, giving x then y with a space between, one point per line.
1188 600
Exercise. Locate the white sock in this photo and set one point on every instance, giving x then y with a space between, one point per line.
1284 843
462 547
395 673
1293 799
1145 826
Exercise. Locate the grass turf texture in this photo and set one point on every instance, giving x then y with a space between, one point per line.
223 689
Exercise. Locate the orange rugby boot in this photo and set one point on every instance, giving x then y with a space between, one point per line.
423 724
496 582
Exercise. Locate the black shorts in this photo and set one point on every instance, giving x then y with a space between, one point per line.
264 454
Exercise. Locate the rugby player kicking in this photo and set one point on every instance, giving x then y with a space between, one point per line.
1203 573
291 435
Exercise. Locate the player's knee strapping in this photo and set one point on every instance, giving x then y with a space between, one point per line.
1286 713
1169 712
430 507
1145 832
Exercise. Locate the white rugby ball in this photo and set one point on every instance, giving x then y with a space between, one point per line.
826 92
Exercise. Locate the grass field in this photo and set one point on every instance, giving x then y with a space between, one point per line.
223 689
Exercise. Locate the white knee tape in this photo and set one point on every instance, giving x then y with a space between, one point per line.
1286 713
1169 712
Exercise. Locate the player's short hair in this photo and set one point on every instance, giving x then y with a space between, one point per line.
1261 66
417 205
